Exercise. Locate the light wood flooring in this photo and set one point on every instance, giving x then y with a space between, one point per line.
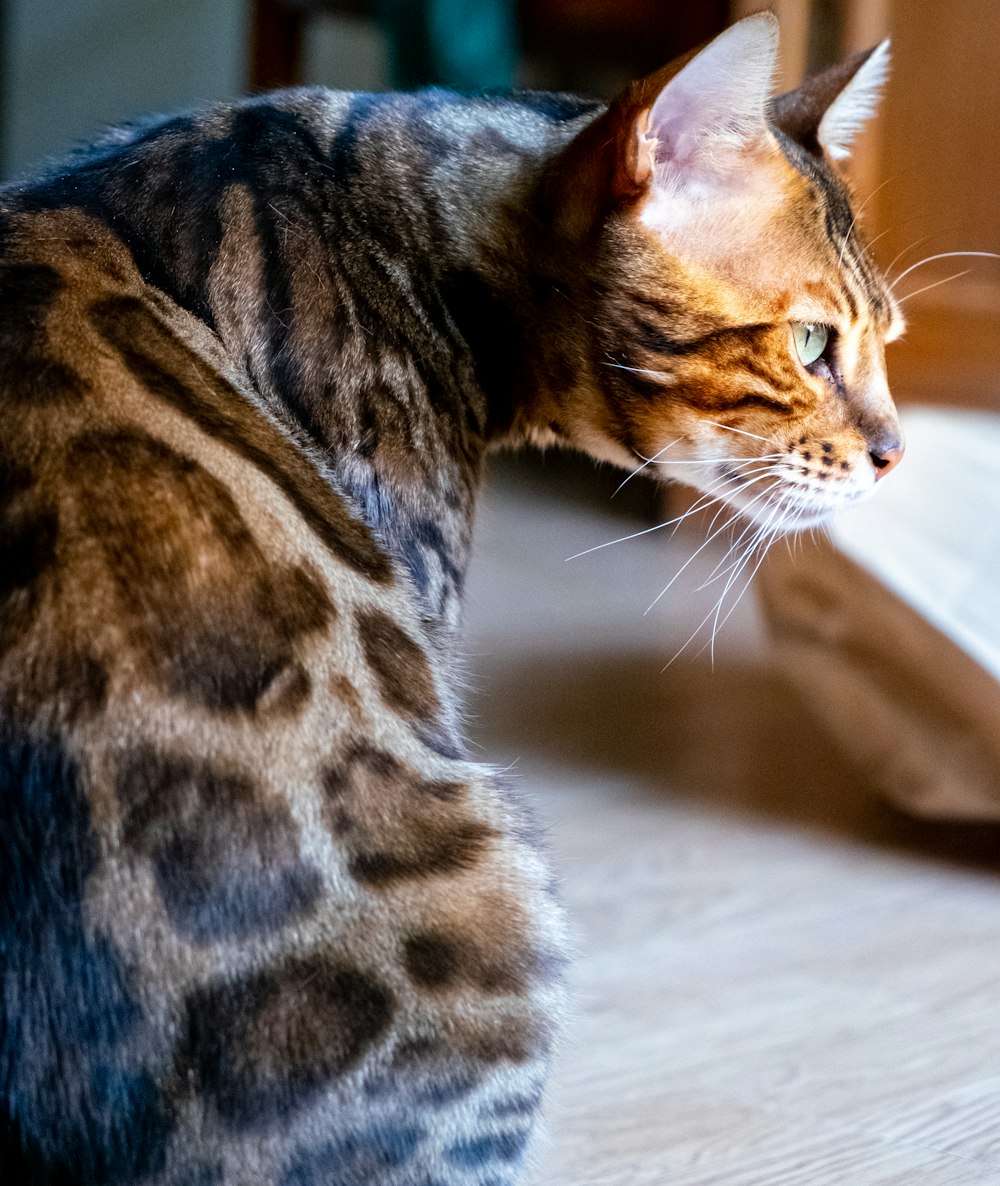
779 981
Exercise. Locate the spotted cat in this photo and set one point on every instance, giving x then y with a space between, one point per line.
262 919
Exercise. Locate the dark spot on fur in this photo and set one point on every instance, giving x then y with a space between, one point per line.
203 603
346 693
266 1045
29 529
64 686
439 740
357 1160
432 960
288 692
518 1105
29 372
437 961
827 447
226 859
504 1146
448 791
396 825
71 1025
201 1175
506 1039
845 465
449 1085
424 1071
448 851
400 665
827 460
807 457
156 357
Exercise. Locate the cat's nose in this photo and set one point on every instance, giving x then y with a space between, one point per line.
885 456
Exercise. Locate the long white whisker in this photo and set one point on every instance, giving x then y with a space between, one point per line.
754 530
722 460
742 431
714 610
645 530
621 539
741 484
762 542
762 537
718 624
857 215
937 283
754 477
906 251
690 560
638 370
646 461
942 255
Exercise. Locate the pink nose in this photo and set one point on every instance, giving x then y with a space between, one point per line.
885 460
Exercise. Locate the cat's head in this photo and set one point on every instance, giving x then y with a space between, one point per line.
735 322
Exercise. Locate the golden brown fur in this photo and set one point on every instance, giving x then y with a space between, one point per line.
262 920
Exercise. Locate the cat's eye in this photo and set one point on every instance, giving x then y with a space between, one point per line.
810 340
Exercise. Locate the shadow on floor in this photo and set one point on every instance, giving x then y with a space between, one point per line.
737 738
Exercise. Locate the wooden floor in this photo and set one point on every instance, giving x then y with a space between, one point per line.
779 981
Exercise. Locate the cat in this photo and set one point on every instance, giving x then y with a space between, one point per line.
262 919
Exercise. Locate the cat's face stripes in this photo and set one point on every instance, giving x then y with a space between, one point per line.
695 355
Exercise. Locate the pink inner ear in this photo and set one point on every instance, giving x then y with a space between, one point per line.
719 97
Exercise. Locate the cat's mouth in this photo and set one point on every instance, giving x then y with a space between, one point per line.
779 492
784 497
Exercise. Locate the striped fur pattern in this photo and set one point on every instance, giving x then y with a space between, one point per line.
262 920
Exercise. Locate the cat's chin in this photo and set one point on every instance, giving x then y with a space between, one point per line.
784 518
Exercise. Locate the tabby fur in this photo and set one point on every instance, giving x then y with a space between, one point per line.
262 920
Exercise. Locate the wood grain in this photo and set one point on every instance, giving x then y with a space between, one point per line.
780 982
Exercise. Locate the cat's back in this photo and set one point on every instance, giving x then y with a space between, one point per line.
259 917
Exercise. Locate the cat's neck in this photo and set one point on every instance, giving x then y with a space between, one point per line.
411 321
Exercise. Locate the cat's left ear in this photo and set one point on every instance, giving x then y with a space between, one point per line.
828 110
712 109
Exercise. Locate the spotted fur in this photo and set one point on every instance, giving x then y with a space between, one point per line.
262 920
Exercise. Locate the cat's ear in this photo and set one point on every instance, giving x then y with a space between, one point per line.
689 122
713 107
828 110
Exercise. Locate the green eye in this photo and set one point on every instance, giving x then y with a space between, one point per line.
810 340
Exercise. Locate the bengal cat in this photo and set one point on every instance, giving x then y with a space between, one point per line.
262 919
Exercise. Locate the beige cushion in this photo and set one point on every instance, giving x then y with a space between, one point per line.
890 627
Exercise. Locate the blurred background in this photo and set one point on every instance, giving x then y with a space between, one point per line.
780 851
927 171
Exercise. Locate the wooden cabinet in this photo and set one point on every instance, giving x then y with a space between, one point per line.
927 175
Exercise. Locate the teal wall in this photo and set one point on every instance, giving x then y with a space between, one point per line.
73 66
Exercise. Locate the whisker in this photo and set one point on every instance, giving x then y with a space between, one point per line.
618 366
927 287
742 431
620 540
766 542
720 460
741 484
636 534
690 560
906 251
744 484
646 461
857 215
942 255
763 541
